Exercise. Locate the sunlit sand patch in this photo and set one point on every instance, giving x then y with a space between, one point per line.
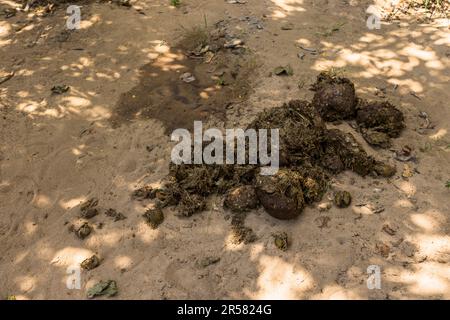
42 201
289 5
434 245
429 279
70 256
255 251
30 228
336 292
145 233
439 135
26 283
404 203
280 280
5 29
425 221
71 203
112 238
85 24
123 262
407 187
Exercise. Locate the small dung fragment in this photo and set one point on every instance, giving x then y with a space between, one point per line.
145 192
387 228
60 89
90 263
284 70
113 213
376 138
240 233
280 240
383 249
207 261
124 3
83 231
106 288
384 170
342 199
408 249
287 26
88 209
241 199
236 1
154 217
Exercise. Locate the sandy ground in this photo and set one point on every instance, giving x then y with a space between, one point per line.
57 151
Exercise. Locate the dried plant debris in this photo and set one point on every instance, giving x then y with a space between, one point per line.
8 12
106 288
113 213
342 152
342 199
5 76
405 154
154 217
89 209
280 240
240 233
334 97
90 263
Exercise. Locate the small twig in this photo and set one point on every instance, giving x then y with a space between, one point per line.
7 77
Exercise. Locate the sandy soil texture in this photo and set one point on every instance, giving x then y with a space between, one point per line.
109 134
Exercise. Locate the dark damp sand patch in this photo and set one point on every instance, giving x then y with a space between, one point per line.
162 95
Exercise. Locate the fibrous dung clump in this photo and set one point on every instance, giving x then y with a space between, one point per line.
281 194
335 97
309 153
378 122
301 131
